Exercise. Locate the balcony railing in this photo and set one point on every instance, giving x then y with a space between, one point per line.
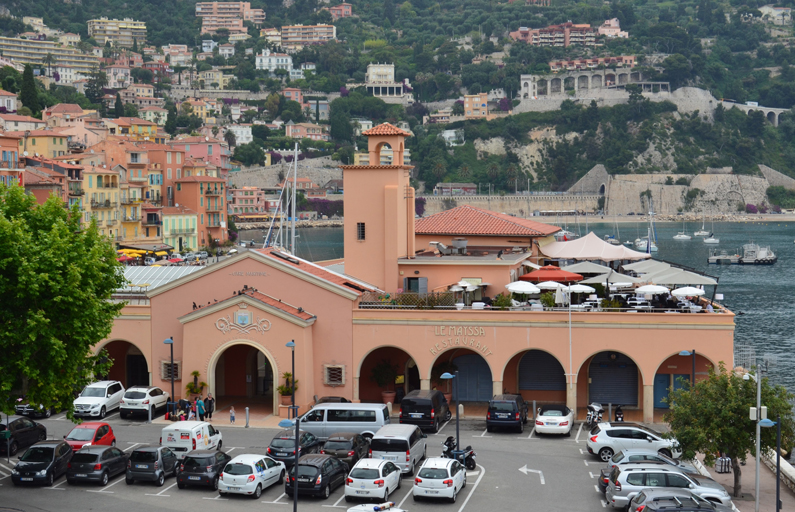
127 218
9 164
152 222
141 179
214 224
77 192
211 192
128 200
182 231
111 222
214 209
103 204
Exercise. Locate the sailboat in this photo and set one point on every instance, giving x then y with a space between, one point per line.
711 239
615 238
648 243
682 235
702 231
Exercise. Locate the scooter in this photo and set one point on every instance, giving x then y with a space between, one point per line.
467 457
619 414
595 412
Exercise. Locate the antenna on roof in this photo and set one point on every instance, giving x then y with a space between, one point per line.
25 153
206 138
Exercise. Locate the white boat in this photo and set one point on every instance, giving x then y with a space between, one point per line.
702 231
642 244
712 239
648 243
682 235
615 238
565 235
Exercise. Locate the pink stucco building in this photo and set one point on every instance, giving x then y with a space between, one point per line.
212 151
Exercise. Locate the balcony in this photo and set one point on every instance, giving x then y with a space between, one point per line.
127 200
139 179
182 231
214 209
103 204
211 192
214 223
111 222
127 218
9 164
76 192
152 222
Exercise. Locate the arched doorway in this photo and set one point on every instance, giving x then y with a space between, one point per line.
476 383
674 373
536 375
243 375
407 378
129 364
613 379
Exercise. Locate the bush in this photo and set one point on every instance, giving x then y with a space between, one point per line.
419 206
749 208
502 301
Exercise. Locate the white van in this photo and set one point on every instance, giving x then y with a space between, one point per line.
185 436
404 445
330 418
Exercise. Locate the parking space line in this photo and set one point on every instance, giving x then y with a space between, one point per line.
477 482
597 488
5 467
400 505
578 434
336 504
164 490
217 498
483 434
276 501
234 448
592 475
532 431
57 487
582 452
604 504
131 447
59 418
104 489
442 427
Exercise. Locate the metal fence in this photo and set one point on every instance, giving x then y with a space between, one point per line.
442 300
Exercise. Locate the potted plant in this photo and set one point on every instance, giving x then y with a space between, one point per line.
286 389
436 376
195 387
384 374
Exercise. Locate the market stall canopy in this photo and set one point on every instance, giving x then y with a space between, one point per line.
682 277
590 247
687 291
586 267
551 273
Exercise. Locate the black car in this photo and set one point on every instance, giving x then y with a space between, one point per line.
151 464
506 411
424 408
347 447
282 448
96 464
318 475
42 463
23 433
332 400
202 467
25 408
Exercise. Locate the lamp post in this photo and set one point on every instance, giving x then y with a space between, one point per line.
170 342
685 353
768 423
749 376
287 423
448 375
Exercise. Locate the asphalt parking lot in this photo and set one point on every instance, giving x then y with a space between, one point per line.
515 472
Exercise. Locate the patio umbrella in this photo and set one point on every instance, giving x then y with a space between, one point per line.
687 291
124 258
522 287
559 296
463 284
456 288
176 260
551 273
580 288
652 289
549 285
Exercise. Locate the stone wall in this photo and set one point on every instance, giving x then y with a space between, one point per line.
319 170
776 179
519 205
593 181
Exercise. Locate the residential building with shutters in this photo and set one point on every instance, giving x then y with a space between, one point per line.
119 32
295 37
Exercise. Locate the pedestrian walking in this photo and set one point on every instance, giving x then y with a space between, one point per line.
232 415
209 406
200 410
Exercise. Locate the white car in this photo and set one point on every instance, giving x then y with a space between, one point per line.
249 474
554 419
439 478
99 398
605 439
372 478
390 505
140 399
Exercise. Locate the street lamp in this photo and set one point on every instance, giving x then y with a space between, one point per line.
448 375
286 423
749 376
767 424
170 342
685 353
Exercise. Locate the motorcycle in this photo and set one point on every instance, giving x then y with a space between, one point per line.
467 457
619 414
594 416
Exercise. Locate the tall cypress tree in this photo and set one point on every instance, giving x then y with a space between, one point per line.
118 108
28 94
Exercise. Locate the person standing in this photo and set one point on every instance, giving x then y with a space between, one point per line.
232 415
209 406
200 408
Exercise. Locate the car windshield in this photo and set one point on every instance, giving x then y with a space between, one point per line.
37 454
649 430
134 395
337 445
143 457
191 462
283 443
364 474
667 459
238 469
551 412
618 457
93 392
80 434
85 458
501 406
389 445
433 473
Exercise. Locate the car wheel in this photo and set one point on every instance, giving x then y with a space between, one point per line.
214 484
400 482
489 429
666 452
454 497
280 481
348 499
436 426
12 450
448 416
154 411
424 452
521 427
257 492
220 443
465 481
50 480
411 469
161 480
47 413
568 433
326 492
606 454
415 497
129 481
525 419
174 474
180 485
102 413
42 436
104 481
113 443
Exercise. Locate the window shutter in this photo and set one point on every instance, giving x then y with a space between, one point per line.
334 375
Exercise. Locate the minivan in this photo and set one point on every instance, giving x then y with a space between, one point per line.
426 408
329 418
185 436
402 444
506 411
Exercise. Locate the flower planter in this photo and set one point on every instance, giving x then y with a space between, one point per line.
388 396
286 399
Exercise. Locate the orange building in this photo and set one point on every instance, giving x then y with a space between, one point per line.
205 195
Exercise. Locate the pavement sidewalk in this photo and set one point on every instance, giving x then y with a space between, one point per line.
767 488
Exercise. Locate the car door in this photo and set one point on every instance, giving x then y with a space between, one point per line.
118 393
66 457
361 447
314 421
310 443
675 480
101 436
273 470
214 436
220 461
458 477
118 460
26 429
169 460
392 475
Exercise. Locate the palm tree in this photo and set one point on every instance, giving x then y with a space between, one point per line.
493 171
511 174
463 172
439 171
229 137
49 59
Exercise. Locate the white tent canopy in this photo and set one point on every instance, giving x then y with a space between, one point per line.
612 277
646 267
652 289
586 267
590 247
683 277
687 291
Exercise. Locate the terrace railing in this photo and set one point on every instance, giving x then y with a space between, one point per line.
442 300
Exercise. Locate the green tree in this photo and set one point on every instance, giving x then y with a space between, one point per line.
28 94
58 277
118 107
389 11
96 81
130 110
249 154
230 139
171 121
340 129
712 417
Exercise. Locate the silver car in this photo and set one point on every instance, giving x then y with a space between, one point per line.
654 500
605 439
640 456
627 481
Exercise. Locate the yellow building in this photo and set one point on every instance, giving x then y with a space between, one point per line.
118 32
476 106
49 143
135 128
179 228
215 79
31 51
69 39
102 200
198 107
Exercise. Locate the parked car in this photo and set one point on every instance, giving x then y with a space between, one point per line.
96 463
42 463
202 255
439 478
329 418
372 479
679 500
25 408
177 255
605 439
99 398
249 474
332 400
317 475
506 411
151 464
184 436
640 456
627 481
24 432
141 399
554 419
405 445
425 408
347 447
90 433
202 467
282 447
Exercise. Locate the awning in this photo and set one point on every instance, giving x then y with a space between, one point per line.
148 247
613 277
590 247
647 266
161 253
680 276
531 265
587 267
551 273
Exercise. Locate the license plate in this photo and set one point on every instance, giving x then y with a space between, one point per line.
362 492
141 466
194 478
233 488
385 457
282 454
81 475
432 492
552 424
26 479
303 479
502 415
416 414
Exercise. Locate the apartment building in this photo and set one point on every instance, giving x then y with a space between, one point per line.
563 35
612 28
343 10
31 51
118 32
228 15
155 115
272 61
227 50
102 200
246 200
118 76
135 128
212 151
179 228
623 61
205 195
380 81
272 35
242 133
14 122
476 106
49 143
295 37
306 131
142 96
69 39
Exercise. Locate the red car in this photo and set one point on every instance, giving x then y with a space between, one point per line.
90 433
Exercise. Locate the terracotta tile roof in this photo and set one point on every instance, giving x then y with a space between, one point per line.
34 178
6 93
385 129
270 301
316 270
20 119
469 220
35 133
65 108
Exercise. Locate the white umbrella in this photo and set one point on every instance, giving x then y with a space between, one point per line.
559 296
522 287
549 285
456 288
580 288
687 291
652 289
463 284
